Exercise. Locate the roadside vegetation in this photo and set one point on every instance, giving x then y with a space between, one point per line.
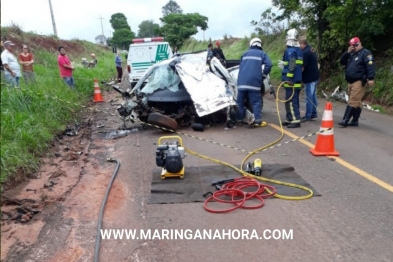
30 116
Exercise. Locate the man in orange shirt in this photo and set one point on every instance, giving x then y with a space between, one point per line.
26 59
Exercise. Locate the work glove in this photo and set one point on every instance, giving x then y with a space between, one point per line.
281 64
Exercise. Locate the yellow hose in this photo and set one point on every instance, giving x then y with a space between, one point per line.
244 173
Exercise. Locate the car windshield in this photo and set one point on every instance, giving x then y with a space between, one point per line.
163 76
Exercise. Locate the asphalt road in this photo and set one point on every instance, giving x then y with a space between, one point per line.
351 221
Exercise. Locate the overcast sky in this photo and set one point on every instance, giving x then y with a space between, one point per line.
80 18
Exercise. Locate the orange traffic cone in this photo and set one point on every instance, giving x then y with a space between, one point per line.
325 140
97 92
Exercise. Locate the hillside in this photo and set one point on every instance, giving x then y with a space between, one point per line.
32 115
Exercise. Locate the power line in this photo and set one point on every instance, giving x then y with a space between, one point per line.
53 18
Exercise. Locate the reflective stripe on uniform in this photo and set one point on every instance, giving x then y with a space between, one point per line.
289 74
295 85
252 58
285 62
248 87
299 62
294 120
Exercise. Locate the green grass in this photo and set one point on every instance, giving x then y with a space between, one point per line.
29 120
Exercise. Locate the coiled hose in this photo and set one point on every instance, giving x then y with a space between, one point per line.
108 189
246 174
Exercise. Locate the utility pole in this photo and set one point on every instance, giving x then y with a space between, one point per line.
53 18
102 28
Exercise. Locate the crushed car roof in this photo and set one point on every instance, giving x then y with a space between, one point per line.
211 88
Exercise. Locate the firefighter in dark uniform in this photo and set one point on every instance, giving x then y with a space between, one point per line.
292 74
359 70
217 52
250 81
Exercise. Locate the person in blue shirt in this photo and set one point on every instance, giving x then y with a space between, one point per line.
119 68
210 54
250 81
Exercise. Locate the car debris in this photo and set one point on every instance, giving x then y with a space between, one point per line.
182 91
72 130
341 95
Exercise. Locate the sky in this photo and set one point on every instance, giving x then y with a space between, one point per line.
81 18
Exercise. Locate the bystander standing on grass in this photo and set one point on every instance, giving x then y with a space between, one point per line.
11 66
65 67
26 59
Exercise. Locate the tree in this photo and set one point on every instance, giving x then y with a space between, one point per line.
179 27
267 24
171 8
122 38
119 21
334 22
148 29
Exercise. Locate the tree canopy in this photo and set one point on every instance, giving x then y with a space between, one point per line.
148 29
119 21
171 8
122 37
179 27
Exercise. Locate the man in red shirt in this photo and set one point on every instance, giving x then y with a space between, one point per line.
65 67
26 59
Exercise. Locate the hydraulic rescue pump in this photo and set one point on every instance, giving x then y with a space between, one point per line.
169 157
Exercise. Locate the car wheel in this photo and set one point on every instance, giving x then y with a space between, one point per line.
162 121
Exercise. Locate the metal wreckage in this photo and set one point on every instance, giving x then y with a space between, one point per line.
183 91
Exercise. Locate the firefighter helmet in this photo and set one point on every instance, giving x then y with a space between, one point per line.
292 34
256 42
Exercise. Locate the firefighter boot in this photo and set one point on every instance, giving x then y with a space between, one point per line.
356 115
347 115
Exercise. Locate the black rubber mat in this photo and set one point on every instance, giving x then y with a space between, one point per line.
197 181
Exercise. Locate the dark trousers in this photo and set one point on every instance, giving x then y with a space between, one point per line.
119 74
292 106
255 99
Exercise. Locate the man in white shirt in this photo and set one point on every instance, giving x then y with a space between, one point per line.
11 67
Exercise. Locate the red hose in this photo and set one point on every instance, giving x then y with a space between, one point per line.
238 197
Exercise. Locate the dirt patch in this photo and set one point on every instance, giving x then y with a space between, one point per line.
48 43
64 195
57 176
22 235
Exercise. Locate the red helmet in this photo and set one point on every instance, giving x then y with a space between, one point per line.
354 41
218 43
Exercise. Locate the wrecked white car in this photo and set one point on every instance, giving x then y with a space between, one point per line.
183 91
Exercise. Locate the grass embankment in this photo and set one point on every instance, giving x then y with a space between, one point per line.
30 120
274 46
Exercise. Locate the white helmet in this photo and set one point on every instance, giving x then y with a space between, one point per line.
256 42
292 34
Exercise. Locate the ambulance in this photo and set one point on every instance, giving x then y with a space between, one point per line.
143 53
